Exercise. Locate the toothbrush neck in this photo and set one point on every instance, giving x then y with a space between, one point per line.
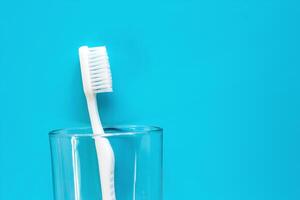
94 114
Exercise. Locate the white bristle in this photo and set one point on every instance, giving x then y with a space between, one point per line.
98 74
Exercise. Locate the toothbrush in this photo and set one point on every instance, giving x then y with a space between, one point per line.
96 78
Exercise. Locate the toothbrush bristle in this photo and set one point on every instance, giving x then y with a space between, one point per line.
99 70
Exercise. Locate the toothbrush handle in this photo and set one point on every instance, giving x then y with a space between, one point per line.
106 163
94 114
105 154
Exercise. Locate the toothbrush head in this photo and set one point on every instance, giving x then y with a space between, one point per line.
95 70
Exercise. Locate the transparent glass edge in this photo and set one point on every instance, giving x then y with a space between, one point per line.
124 131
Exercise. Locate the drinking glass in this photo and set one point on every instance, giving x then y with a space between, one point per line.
138 163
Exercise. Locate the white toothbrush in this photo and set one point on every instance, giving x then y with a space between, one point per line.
96 78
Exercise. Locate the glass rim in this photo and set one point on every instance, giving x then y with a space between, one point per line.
113 131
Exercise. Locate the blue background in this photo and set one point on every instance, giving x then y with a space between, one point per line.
221 77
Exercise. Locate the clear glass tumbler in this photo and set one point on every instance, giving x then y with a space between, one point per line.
138 163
